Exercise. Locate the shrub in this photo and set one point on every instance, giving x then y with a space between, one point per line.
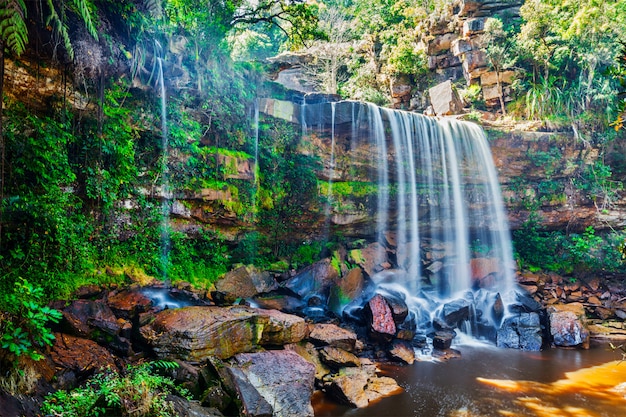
138 392
25 330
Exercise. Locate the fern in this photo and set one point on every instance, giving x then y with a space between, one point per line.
13 31
85 9
60 29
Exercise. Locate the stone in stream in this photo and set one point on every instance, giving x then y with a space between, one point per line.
568 325
381 322
359 386
244 282
522 331
196 333
456 311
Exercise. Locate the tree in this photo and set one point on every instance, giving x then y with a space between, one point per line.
329 55
500 52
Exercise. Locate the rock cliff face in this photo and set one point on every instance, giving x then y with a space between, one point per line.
541 172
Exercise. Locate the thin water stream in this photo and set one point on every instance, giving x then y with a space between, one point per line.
487 381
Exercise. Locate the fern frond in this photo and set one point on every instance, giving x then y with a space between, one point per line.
13 30
154 8
86 11
60 29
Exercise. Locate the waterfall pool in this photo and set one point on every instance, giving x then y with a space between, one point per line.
488 381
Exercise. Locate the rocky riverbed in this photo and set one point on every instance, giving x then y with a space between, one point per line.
260 344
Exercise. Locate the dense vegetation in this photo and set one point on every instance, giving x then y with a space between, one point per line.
84 187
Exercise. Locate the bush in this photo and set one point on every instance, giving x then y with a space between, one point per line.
139 392
25 330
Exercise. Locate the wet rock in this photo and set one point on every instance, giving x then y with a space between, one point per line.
399 309
408 328
498 308
446 354
357 387
522 331
370 258
245 282
128 304
338 358
381 322
333 335
442 339
196 333
525 304
456 312
568 325
273 383
351 285
285 303
88 291
482 267
402 351
315 279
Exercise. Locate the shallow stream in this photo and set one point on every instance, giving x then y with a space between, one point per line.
487 381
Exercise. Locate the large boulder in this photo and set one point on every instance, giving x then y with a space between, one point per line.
196 333
445 99
568 325
244 282
522 331
275 383
315 279
380 318
371 258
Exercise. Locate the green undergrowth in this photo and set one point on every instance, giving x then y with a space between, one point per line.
139 390
538 249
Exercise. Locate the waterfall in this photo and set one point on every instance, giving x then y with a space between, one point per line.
165 187
438 196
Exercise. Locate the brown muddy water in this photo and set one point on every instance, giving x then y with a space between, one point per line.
487 381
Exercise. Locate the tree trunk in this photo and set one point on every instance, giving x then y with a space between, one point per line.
500 93
2 144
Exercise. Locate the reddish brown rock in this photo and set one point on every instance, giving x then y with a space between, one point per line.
359 386
79 355
352 284
402 351
481 267
382 323
128 304
369 258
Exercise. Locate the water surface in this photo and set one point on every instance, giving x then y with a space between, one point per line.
487 381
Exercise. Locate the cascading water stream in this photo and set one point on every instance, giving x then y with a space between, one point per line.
437 187
165 186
